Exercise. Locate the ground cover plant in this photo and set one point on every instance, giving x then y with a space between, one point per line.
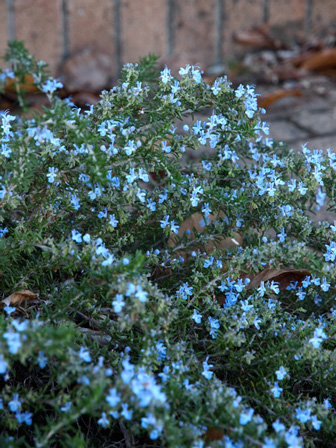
151 301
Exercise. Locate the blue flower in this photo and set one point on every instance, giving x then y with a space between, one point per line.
52 174
113 398
164 222
246 417
316 423
13 341
84 354
278 426
281 373
118 303
166 76
103 421
76 236
51 85
197 317
276 390
113 221
126 413
206 369
303 415
151 205
141 294
24 417
214 325
42 360
66 407
318 337
282 235
15 404
3 365
165 148
174 227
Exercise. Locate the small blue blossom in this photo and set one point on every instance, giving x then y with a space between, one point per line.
197 317
84 354
51 85
282 235
3 365
278 426
214 325
303 415
103 421
52 174
246 417
276 390
164 222
316 423
42 360
166 76
113 221
15 404
126 412
118 303
76 236
66 407
281 373
318 337
24 417
113 398
206 370
165 148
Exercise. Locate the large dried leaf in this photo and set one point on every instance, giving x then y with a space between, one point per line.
322 60
196 222
213 434
19 297
27 84
258 37
283 276
267 100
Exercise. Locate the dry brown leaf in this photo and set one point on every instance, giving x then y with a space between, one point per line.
194 223
213 434
286 72
27 84
19 297
283 276
257 37
322 60
267 100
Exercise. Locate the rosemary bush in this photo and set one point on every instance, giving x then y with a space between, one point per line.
151 301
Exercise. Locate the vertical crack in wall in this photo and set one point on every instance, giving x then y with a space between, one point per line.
308 16
266 14
11 20
170 19
219 8
65 30
117 27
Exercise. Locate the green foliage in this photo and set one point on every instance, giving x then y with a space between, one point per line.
146 331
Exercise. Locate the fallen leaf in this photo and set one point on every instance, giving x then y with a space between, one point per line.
84 98
19 297
257 37
196 222
286 72
213 434
322 60
266 100
282 276
27 84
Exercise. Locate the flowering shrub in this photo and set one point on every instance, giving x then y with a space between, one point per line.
123 324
